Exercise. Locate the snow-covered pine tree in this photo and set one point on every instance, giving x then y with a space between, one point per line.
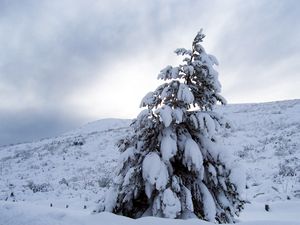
169 166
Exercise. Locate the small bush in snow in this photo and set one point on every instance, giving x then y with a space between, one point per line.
104 182
45 187
286 170
63 181
79 141
170 167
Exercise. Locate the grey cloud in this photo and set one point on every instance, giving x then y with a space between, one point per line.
27 126
49 49
52 48
263 33
262 37
56 51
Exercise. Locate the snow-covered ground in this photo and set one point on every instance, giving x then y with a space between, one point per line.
266 140
73 171
23 213
73 168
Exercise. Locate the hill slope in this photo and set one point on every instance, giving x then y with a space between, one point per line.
266 140
76 168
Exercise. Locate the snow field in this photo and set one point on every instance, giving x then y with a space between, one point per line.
23 213
75 169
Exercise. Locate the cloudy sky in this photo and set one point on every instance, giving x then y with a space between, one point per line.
64 63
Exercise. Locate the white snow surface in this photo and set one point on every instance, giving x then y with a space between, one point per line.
171 204
192 155
185 94
168 145
178 114
155 173
209 206
165 113
24 213
76 169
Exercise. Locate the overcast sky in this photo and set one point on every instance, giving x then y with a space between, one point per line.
64 63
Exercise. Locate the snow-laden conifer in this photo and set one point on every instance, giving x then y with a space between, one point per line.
170 166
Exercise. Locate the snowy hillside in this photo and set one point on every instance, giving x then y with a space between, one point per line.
76 165
74 170
266 140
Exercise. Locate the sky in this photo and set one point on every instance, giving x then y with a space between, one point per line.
64 63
